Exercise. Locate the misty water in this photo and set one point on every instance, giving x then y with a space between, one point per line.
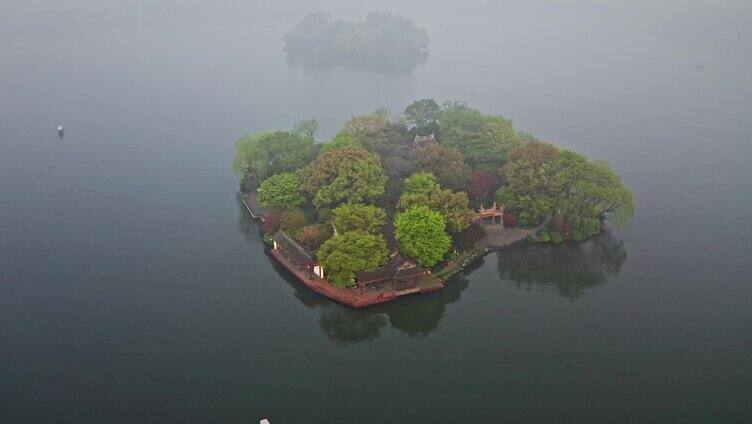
134 288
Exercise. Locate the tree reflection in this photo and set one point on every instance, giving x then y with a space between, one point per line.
415 316
567 269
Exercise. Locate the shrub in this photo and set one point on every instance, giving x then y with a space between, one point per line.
544 237
557 237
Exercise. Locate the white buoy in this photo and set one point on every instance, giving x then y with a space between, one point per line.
264 421
60 130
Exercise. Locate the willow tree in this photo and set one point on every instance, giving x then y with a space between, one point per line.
262 155
542 181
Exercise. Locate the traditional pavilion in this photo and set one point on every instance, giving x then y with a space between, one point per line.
495 213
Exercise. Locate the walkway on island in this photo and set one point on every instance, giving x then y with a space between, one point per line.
254 208
500 238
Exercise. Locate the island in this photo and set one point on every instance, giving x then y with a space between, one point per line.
384 41
393 206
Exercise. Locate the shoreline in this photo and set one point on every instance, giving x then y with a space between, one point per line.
357 299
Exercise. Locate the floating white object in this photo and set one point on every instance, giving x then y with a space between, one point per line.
60 129
264 421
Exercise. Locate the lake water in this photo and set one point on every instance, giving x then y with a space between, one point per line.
133 287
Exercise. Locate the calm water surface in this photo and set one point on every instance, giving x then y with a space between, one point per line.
133 288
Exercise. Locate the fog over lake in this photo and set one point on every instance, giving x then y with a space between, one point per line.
134 287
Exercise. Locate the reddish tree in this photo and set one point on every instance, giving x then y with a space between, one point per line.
510 220
271 223
308 237
482 184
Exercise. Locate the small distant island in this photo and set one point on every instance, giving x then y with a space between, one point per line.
395 206
383 41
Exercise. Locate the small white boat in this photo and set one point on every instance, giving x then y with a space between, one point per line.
60 130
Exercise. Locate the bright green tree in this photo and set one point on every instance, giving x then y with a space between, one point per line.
358 217
420 233
422 189
346 254
281 191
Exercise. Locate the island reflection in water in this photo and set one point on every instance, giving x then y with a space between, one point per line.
567 269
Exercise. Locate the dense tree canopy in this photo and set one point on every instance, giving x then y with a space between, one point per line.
374 132
422 189
346 254
541 181
445 163
384 41
344 175
281 191
420 233
358 217
339 194
484 140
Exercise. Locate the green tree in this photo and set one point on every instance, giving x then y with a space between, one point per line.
421 236
344 176
422 189
358 217
265 154
374 132
307 127
346 254
281 191
445 163
422 115
542 181
484 140
292 220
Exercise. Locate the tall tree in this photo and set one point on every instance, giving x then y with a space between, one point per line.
421 236
346 254
422 115
307 127
481 185
445 163
484 140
